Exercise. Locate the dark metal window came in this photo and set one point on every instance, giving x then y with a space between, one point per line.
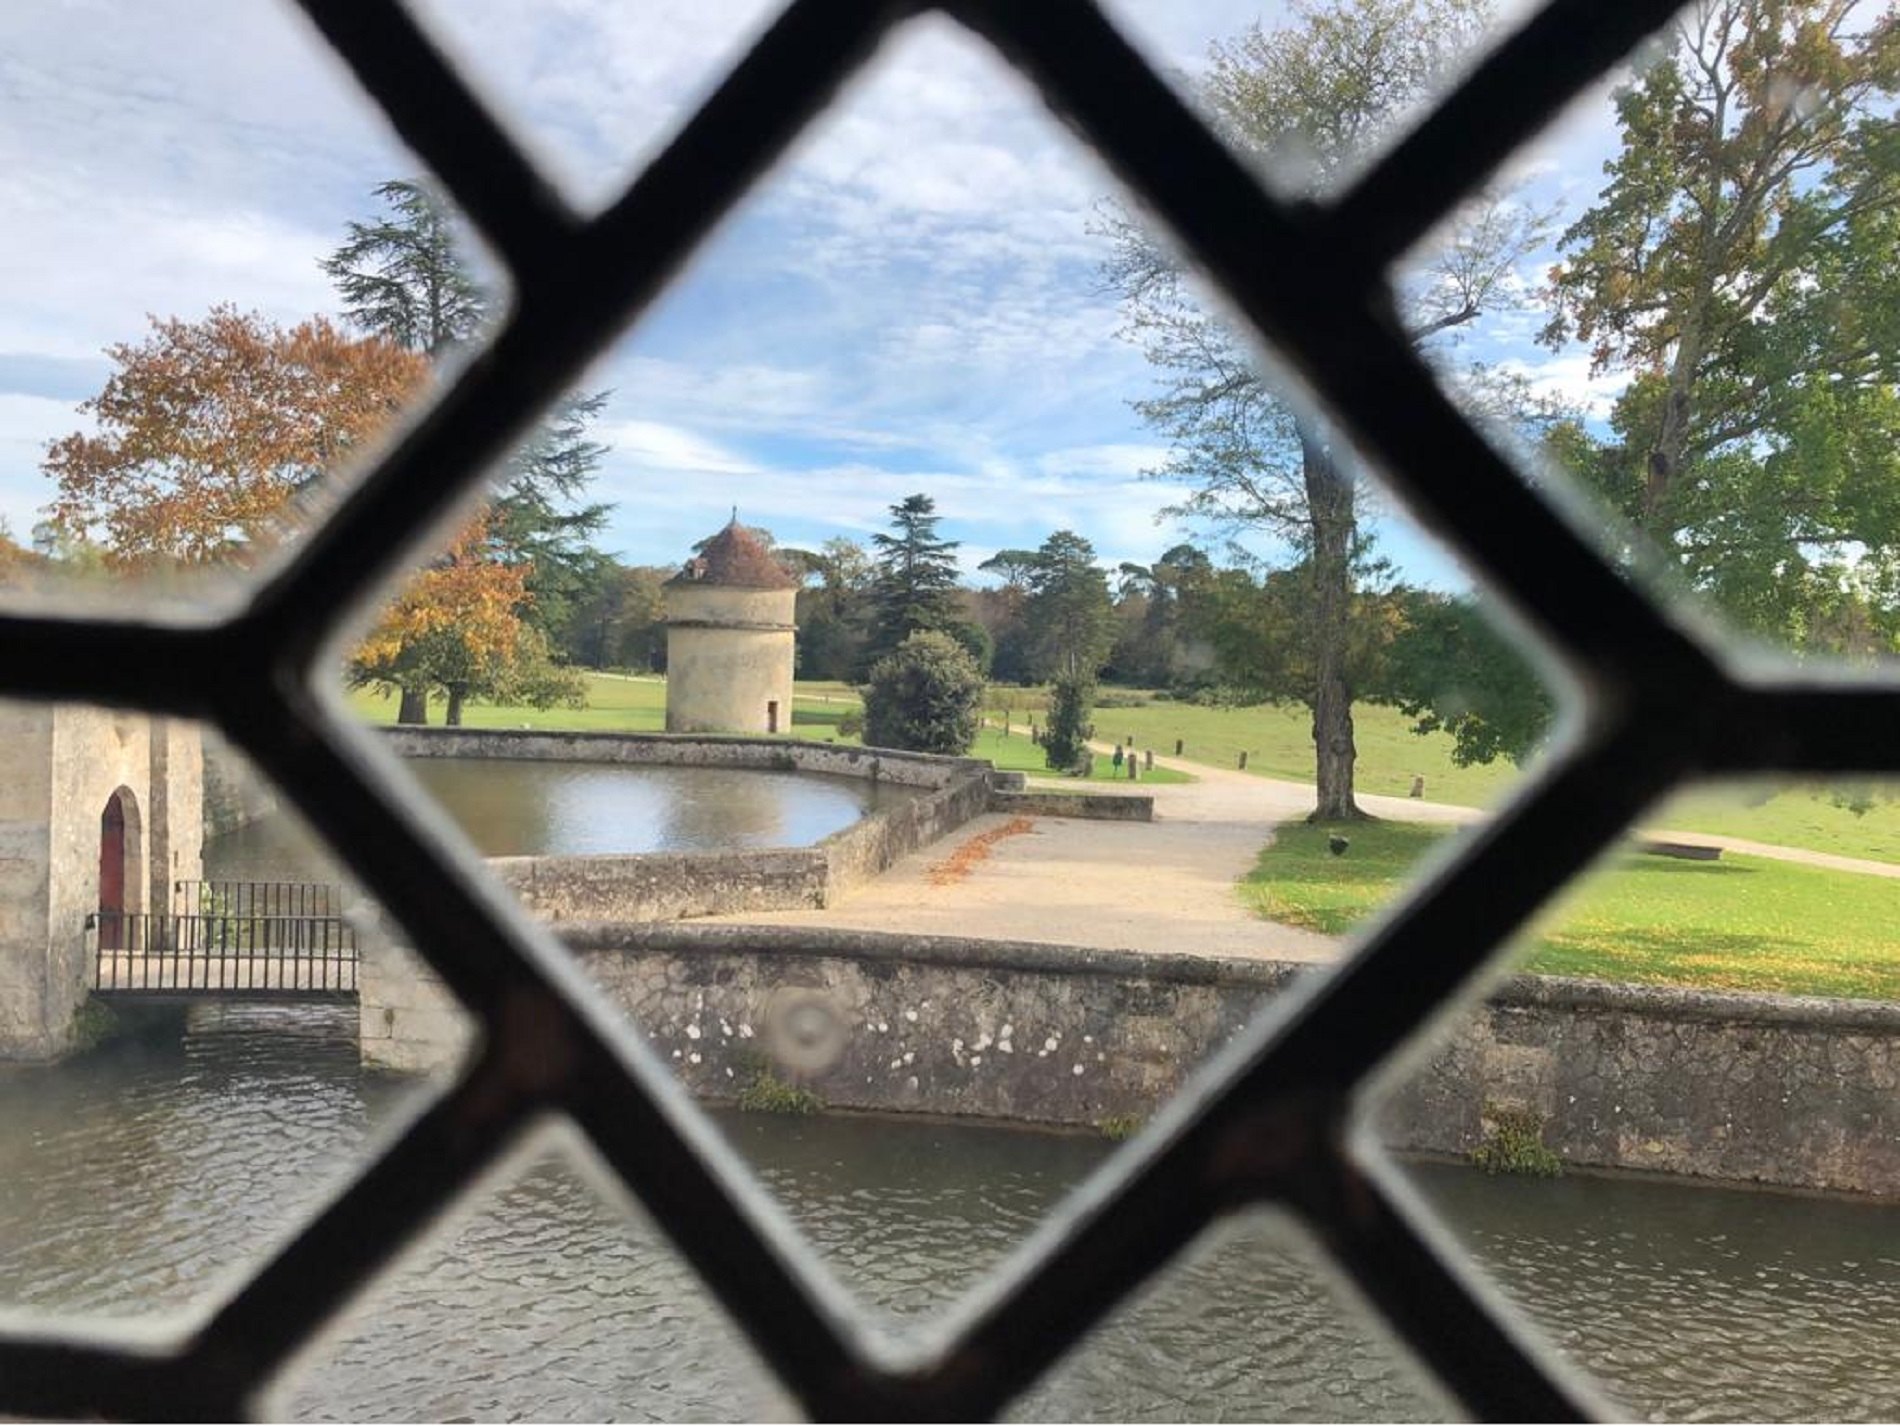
1276 1118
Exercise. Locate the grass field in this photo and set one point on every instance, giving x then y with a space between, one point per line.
1741 923
638 705
1278 742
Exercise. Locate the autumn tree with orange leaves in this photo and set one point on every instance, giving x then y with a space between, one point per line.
458 626
210 434
211 440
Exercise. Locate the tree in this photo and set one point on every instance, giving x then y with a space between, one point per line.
1065 738
1307 101
622 624
1743 265
209 435
403 278
1451 670
924 696
1151 651
1068 614
458 625
1012 660
542 519
1257 623
834 608
914 588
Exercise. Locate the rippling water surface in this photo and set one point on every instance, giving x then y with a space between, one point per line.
137 1179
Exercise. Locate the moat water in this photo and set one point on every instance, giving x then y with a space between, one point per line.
138 1179
518 807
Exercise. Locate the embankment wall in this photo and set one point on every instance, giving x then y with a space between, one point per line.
1764 1089
664 886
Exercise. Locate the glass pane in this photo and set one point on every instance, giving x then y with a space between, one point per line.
545 1300
1687 1301
178 371
1312 94
1701 1014
716 823
1721 392
184 1085
1249 1326
597 90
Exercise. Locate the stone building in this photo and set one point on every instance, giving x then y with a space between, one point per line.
730 639
100 811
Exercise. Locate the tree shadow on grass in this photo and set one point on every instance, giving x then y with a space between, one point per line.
1653 865
1707 959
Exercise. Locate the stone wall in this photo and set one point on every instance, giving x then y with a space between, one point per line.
26 959
59 766
663 886
1758 1088
1097 806
406 1019
1764 1089
686 750
234 795
658 886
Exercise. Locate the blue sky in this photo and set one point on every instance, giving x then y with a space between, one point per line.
911 303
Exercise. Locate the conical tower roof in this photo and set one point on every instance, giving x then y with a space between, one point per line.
736 558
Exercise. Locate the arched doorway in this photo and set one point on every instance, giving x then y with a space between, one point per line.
119 867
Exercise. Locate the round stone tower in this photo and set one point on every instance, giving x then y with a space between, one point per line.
729 639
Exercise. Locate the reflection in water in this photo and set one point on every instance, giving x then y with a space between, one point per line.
138 1178
522 808
515 807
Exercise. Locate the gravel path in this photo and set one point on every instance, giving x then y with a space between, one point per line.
1166 885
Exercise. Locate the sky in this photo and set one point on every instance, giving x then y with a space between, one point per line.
911 302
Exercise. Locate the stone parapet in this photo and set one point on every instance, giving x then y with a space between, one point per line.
1770 1090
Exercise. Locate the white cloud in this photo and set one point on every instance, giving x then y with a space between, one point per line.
657 447
1567 376
912 301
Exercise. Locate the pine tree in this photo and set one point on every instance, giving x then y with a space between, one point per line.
915 585
404 278
1069 616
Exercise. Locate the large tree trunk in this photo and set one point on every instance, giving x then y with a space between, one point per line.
453 718
1664 460
1329 496
414 707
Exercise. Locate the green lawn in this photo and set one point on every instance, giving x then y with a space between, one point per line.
638 705
1279 743
1016 753
1741 923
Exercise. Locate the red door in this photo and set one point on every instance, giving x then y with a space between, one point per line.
112 875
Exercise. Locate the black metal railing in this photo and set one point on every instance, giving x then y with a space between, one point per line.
257 898
218 953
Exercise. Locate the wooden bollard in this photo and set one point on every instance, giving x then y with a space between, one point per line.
1131 740
1133 763
1243 762
1177 747
1418 786
1148 760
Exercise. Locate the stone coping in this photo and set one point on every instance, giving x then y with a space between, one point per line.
1570 993
566 887
686 750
